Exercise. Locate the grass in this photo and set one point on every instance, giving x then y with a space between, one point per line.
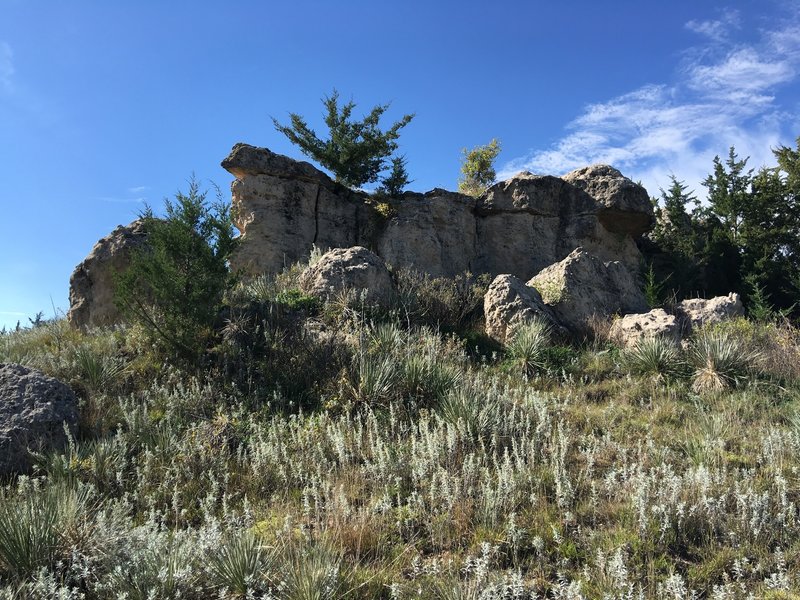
381 459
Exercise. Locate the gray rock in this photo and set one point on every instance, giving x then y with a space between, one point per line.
697 312
582 287
628 330
625 206
350 270
33 411
509 303
91 286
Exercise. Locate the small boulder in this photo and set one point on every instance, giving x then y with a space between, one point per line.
509 303
33 411
353 269
624 206
697 312
582 287
628 330
92 286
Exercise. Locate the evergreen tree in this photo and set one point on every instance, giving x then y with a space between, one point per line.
174 286
355 151
477 170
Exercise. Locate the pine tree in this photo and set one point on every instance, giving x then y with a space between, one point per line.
355 151
477 170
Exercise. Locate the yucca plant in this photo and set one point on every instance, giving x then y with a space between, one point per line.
657 357
241 565
35 526
373 380
313 572
424 379
720 361
528 346
466 407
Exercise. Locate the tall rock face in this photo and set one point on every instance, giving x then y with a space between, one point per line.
283 207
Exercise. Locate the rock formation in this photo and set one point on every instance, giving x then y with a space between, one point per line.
509 303
91 286
582 286
628 330
698 312
33 411
283 207
350 269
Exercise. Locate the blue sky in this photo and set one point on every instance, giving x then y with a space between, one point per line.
107 105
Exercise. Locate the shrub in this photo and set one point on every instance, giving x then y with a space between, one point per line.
241 565
175 284
720 360
477 170
528 347
356 151
656 357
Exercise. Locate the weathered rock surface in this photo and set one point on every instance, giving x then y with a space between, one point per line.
583 286
91 286
33 410
625 206
509 303
628 330
283 207
698 312
350 269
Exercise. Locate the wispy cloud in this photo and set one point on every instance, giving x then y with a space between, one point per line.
138 189
122 200
6 67
717 30
723 94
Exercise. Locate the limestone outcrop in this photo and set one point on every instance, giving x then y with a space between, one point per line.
354 270
91 286
284 207
33 411
582 287
509 303
628 330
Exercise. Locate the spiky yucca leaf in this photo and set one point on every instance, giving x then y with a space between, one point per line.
656 357
720 360
528 347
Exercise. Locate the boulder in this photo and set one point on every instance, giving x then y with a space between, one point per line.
582 287
697 312
352 270
509 303
91 286
33 411
624 206
628 330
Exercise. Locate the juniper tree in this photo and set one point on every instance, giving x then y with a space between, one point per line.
477 170
355 151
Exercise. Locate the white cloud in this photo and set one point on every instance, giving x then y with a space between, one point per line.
6 66
118 200
725 96
138 189
717 30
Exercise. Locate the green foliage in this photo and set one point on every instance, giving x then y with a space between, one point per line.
356 151
528 346
175 284
656 357
653 287
392 185
241 565
720 360
477 169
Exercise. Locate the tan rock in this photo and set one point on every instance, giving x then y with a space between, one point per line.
92 284
628 330
283 207
509 303
625 206
582 287
354 270
698 312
